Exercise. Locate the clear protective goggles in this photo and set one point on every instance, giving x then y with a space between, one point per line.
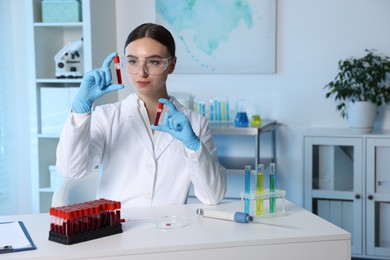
150 65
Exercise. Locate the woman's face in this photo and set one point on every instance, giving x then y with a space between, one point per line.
142 58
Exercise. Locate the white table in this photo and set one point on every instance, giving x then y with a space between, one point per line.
298 235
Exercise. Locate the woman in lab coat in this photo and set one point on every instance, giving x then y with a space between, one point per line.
141 164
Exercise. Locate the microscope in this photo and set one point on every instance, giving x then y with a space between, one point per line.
69 60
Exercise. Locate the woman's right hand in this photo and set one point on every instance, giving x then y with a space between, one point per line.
95 84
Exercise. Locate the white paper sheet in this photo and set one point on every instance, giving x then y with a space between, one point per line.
12 234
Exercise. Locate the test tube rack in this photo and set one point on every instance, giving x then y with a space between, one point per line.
263 200
81 222
217 111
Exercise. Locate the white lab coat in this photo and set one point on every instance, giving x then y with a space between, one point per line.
133 169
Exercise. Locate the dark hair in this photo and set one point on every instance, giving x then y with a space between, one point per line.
156 32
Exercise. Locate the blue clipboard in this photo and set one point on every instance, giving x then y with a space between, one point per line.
10 248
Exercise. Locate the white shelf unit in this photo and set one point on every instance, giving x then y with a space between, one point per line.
47 92
347 183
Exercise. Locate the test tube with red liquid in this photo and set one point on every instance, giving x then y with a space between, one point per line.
118 69
159 110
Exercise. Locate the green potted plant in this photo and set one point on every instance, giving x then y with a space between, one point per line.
361 85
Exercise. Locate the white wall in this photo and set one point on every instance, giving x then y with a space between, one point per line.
312 36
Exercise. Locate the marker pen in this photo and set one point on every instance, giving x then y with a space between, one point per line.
159 110
118 69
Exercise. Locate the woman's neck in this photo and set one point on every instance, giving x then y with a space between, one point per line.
151 104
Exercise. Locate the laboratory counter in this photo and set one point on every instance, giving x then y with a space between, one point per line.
297 235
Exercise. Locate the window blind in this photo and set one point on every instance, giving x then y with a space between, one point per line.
8 180
4 191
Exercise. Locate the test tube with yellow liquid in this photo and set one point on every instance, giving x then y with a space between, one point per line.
259 189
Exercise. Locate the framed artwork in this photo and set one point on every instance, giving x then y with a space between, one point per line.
221 36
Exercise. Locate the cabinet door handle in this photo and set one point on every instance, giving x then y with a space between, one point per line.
370 197
357 196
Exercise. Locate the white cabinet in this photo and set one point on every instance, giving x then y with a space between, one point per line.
51 97
378 196
347 182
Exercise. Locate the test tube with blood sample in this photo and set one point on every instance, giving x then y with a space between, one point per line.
53 214
159 110
69 226
118 213
118 69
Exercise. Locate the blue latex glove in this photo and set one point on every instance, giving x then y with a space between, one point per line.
178 125
95 84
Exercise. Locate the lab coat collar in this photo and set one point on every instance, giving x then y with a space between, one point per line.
164 139
139 128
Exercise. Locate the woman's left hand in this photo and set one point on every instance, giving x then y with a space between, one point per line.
178 125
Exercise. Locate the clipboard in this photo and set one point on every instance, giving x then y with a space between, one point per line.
15 237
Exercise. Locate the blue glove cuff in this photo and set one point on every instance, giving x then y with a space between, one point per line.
81 107
193 144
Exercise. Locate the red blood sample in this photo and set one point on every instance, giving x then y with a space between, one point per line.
159 110
118 69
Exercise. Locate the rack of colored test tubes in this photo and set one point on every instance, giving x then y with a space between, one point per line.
217 110
85 221
262 202
267 204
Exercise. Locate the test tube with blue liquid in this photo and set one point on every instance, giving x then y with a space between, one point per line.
202 107
227 111
212 110
219 110
247 206
272 188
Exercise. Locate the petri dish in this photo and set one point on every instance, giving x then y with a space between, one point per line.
170 222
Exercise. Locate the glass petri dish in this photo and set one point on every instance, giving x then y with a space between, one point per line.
170 222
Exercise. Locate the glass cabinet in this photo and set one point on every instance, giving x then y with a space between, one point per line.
347 182
333 182
378 196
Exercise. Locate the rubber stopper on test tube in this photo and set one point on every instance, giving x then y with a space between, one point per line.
118 69
116 59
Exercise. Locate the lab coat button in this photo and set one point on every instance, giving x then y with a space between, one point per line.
151 168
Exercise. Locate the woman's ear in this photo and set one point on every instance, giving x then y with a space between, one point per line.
172 65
